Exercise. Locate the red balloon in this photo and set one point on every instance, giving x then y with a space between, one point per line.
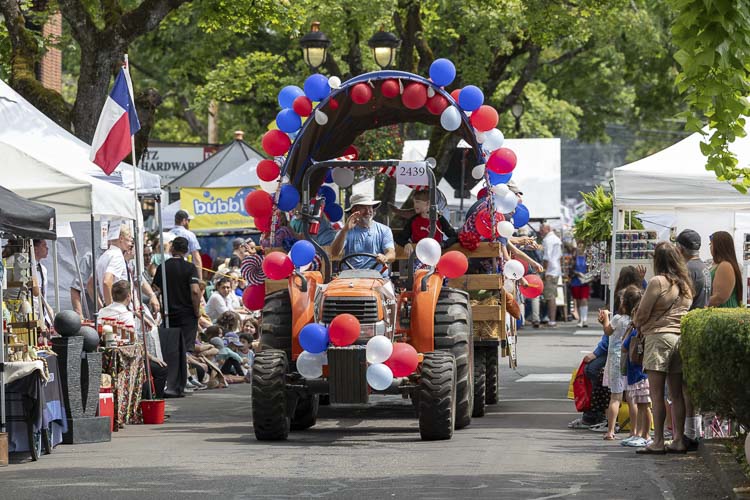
502 161
455 94
483 223
263 224
437 104
535 288
333 104
267 170
403 360
276 143
390 89
415 96
453 264
254 297
278 266
258 203
302 105
485 118
482 193
344 330
361 93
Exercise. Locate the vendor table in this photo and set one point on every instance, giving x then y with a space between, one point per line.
32 402
125 365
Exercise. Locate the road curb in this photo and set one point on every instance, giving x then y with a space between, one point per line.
725 468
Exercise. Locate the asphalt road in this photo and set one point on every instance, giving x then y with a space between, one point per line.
520 449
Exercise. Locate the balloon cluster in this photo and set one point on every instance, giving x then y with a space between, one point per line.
451 265
388 361
315 338
531 285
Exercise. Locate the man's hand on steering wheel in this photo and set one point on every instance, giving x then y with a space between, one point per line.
382 259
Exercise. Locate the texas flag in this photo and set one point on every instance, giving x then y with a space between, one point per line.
117 124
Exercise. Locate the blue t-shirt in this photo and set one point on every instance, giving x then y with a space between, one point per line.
580 267
193 244
377 238
635 372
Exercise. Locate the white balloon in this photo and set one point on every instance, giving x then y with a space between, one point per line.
269 186
379 349
431 162
344 177
513 270
320 117
428 251
493 140
500 189
478 171
505 203
334 82
505 229
430 92
510 286
481 137
379 376
451 118
310 365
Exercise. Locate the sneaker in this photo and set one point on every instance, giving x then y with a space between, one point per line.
585 325
189 388
580 324
628 439
636 442
578 424
600 427
552 324
535 324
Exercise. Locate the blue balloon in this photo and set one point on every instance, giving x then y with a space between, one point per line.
302 253
316 87
288 198
334 211
329 176
442 72
470 98
521 216
288 121
314 338
496 178
288 94
328 193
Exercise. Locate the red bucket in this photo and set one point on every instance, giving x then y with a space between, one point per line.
153 411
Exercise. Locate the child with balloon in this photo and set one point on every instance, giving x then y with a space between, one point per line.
418 227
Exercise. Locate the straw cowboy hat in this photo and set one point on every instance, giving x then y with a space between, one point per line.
362 199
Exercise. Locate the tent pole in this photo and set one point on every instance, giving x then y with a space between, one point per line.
2 354
612 277
84 300
56 273
93 267
165 302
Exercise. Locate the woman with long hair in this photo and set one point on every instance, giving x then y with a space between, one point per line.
726 277
667 299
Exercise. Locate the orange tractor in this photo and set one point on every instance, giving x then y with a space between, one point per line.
434 319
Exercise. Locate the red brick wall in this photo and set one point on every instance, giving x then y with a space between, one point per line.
51 65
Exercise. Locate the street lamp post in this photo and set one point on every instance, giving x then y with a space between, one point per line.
315 47
517 110
384 45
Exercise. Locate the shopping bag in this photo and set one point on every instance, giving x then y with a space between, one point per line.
582 389
573 375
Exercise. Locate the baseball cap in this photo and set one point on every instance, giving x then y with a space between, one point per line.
237 242
217 342
182 215
233 341
689 239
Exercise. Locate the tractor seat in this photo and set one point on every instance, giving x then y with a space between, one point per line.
360 273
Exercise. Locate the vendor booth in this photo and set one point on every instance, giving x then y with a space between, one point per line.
674 186
30 393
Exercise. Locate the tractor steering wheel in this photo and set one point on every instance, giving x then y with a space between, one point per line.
373 256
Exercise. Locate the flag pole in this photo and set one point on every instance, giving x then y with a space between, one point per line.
138 304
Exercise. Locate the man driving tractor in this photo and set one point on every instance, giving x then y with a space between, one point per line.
361 234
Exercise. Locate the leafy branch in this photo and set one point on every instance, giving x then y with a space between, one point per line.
596 224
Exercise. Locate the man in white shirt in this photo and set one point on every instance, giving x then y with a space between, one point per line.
41 250
111 265
552 270
221 300
182 228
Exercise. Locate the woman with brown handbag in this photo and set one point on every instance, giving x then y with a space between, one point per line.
666 300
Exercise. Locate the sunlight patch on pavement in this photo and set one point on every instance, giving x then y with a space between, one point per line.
545 377
588 333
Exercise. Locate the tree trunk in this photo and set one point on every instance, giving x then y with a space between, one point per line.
146 103
213 122
98 63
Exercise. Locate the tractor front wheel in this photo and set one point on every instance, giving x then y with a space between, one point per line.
306 412
270 418
493 376
436 396
276 327
480 381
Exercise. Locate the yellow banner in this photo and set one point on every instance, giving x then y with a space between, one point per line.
216 209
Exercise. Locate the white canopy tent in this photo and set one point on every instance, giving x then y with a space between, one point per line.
244 175
673 185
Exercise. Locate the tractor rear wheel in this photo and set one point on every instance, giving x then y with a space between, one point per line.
276 328
436 396
493 376
453 334
306 412
270 418
480 381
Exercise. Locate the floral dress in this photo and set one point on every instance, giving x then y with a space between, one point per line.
613 377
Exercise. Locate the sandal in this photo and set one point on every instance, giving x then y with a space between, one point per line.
677 451
650 451
609 437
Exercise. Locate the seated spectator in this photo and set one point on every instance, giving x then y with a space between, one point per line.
246 351
250 327
230 362
221 300
228 321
